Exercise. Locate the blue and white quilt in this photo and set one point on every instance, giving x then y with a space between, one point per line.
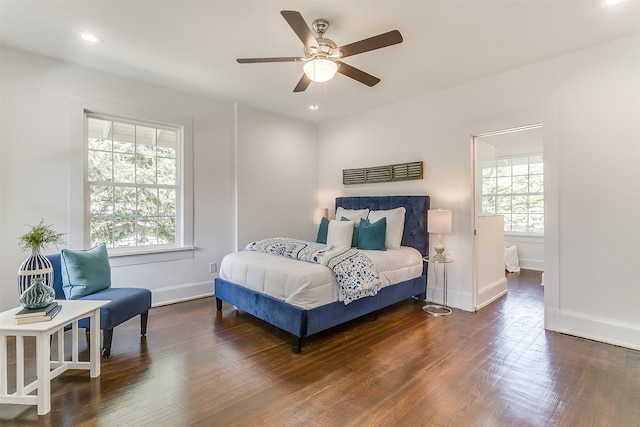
355 273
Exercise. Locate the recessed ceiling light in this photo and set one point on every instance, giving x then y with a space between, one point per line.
91 37
313 107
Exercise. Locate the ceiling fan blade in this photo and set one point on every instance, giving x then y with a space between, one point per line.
277 59
372 43
303 84
357 74
302 30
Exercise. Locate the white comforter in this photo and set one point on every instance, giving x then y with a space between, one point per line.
310 285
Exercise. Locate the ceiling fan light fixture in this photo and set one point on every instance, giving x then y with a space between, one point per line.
320 70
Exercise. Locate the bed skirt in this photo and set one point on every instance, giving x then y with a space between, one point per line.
300 322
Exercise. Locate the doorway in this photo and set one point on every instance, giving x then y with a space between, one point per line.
508 207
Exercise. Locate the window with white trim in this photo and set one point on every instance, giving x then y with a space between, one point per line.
514 187
133 183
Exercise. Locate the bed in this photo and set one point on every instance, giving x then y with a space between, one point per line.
302 318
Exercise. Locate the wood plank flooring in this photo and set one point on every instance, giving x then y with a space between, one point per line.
496 367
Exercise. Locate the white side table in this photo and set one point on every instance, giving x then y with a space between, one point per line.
434 308
46 368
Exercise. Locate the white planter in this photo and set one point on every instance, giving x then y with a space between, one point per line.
36 265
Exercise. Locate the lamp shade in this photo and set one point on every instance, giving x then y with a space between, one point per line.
320 70
320 213
439 221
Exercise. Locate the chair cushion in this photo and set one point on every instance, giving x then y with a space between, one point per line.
125 304
85 272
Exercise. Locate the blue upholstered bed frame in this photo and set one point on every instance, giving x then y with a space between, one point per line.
303 323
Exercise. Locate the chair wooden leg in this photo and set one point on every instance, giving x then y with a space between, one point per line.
218 304
144 317
107 337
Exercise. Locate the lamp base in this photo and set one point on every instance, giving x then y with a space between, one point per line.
436 310
439 248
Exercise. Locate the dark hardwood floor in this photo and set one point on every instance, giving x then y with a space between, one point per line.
496 367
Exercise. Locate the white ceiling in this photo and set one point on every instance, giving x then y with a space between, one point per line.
193 45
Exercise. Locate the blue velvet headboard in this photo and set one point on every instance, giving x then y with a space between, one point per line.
415 220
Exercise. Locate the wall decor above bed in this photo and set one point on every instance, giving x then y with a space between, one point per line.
388 173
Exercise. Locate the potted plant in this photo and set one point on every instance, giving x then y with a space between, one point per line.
36 265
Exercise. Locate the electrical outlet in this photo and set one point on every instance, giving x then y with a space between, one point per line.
213 267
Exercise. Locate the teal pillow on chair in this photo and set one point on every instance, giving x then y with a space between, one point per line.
85 272
371 236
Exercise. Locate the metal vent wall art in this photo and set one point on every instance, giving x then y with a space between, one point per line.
389 173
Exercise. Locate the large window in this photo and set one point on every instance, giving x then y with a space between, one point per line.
514 187
133 182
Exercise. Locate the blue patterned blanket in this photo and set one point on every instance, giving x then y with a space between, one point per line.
355 272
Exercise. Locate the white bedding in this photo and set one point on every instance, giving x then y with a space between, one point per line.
310 285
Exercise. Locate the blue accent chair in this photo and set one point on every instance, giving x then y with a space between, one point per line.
125 304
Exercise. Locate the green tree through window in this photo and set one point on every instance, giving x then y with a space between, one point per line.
514 187
133 186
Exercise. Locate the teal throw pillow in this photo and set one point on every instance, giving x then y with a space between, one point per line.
354 238
371 236
323 230
85 272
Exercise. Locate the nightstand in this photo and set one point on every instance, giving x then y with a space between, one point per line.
434 308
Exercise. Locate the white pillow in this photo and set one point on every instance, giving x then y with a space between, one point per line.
395 225
352 214
340 233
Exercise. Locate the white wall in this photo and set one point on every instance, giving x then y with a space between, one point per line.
277 176
35 153
589 102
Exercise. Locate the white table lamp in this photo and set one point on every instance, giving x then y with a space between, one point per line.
320 213
439 221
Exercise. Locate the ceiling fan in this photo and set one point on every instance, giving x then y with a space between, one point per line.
322 56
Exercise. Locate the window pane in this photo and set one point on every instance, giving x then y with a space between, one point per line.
145 141
520 184
166 230
99 133
99 166
124 233
504 185
147 202
488 204
124 137
519 222
146 171
124 202
124 168
489 172
147 231
536 184
167 202
536 223
503 204
520 166
519 204
536 204
101 231
167 143
166 171
101 200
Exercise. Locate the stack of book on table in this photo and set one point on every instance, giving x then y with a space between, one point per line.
32 315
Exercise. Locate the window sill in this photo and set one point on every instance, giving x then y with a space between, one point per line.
146 256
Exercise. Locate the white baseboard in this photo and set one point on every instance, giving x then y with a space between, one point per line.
491 293
182 292
599 329
531 264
